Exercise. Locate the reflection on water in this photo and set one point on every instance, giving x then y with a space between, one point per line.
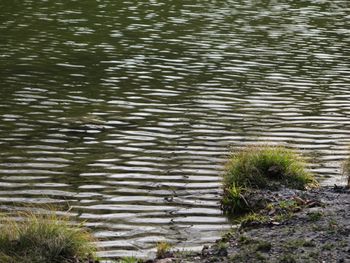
126 110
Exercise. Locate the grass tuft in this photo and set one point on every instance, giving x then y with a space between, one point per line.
315 216
44 238
233 200
253 218
129 260
262 166
346 171
163 249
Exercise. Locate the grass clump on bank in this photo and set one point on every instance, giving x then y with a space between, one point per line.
45 238
261 167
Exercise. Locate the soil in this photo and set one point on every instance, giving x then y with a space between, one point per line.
296 226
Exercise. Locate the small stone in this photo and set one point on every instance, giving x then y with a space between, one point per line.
205 251
222 253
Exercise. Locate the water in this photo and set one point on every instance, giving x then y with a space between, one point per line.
127 110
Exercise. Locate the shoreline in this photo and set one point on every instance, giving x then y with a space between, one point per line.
316 230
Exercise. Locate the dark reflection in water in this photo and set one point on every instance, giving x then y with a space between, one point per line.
126 109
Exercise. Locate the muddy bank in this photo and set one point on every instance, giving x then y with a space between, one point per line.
297 226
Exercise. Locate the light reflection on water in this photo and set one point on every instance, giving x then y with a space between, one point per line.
127 110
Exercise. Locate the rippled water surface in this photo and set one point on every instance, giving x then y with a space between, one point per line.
126 110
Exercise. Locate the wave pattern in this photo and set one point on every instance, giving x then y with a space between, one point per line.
126 111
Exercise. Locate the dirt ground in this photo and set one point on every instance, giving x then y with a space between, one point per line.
314 226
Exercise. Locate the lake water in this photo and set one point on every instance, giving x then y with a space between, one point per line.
127 110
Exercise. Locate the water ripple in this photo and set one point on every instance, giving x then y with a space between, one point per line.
127 111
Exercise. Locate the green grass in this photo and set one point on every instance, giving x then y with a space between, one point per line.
163 248
288 258
249 250
346 171
265 167
129 260
233 200
297 243
33 238
253 218
314 216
